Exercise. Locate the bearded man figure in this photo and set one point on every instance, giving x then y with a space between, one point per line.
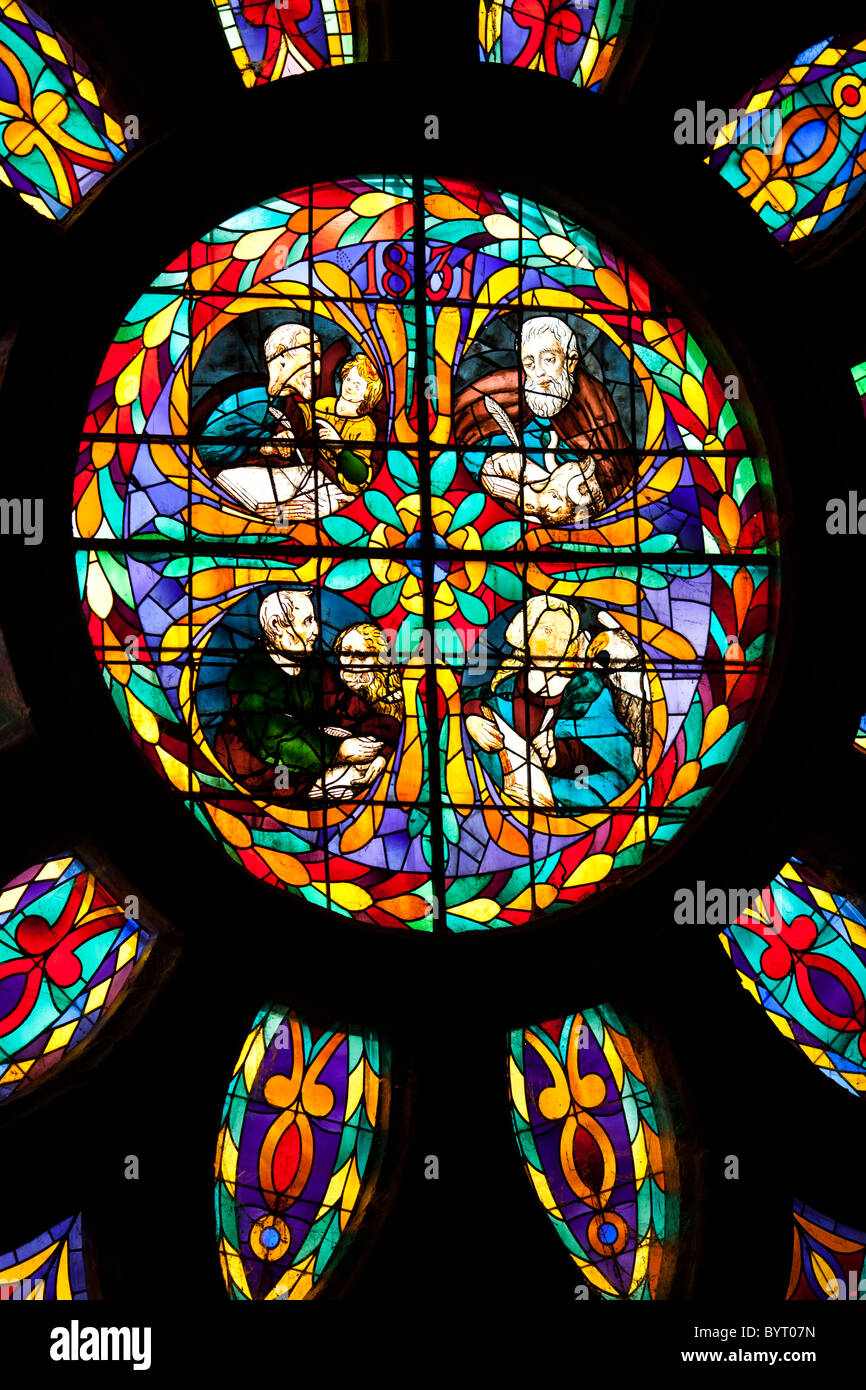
366 705
290 710
554 450
277 472
545 725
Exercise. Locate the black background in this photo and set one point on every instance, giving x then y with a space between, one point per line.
476 1239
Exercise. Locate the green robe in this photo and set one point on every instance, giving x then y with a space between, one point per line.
278 716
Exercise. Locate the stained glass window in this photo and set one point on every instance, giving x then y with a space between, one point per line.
798 150
68 952
859 374
590 1133
49 1268
270 39
429 533
451 486
579 40
800 951
59 135
829 1259
294 1165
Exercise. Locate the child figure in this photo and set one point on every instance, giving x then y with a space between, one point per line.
349 413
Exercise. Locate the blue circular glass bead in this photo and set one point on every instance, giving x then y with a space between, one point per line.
413 543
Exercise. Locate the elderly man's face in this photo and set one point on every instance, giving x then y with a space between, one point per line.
548 375
293 368
300 634
356 661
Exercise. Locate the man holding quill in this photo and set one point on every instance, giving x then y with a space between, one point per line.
557 451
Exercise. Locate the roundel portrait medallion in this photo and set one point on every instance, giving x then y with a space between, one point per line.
434 565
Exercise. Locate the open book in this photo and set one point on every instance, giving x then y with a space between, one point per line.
344 779
524 779
255 483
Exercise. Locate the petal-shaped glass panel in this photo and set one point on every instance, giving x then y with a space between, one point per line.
50 1267
532 610
578 40
68 951
829 1258
796 146
270 40
295 1164
59 134
590 1133
800 951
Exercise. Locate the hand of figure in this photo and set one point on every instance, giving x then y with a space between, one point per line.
370 772
326 430
280 443
282 451
358 750
484 732
545 747
506 464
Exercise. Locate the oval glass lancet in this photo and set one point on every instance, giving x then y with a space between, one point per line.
590 1134
829 1259
378 555
796 148
578 40
800 951
294 1165
270 40
68 952
59 135
49 1268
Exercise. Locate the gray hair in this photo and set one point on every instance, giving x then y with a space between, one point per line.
286 336
280 607
533 328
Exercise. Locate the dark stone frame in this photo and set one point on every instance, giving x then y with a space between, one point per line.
741 1088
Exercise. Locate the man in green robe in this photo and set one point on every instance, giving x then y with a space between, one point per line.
281 694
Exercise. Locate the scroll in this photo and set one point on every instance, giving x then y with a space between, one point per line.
525 781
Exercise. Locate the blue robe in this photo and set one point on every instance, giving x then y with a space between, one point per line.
243 422
237 429
587 734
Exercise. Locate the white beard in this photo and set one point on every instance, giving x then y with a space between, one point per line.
357 683
550 402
